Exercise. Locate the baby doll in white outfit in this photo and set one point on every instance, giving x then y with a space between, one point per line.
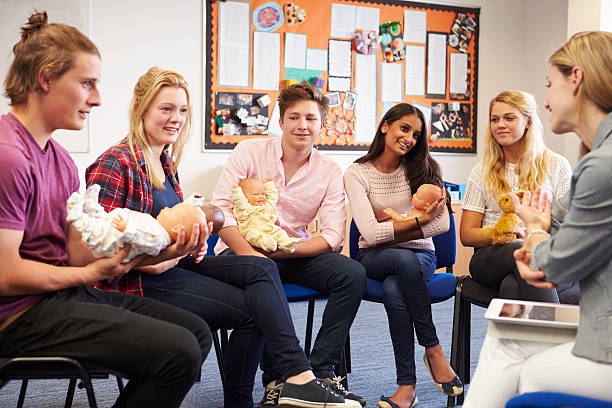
426 194
255 211
106 233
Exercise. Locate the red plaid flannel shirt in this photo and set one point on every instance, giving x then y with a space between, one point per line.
124 183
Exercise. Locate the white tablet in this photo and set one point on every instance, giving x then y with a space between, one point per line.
533 313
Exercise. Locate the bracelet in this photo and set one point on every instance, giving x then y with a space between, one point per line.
417 222
537 231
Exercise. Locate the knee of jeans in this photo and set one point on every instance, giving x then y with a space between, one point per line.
357 277
406 266
189 354
391 291
266 267
509 287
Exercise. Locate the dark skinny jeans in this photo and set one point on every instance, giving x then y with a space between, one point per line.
242 293
404 273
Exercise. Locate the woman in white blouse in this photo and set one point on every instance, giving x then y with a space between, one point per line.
401 253
515 158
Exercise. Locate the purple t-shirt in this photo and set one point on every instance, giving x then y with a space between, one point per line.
34 187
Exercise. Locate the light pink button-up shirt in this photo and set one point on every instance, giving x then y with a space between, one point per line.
315 187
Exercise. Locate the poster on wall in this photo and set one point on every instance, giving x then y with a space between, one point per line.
364 55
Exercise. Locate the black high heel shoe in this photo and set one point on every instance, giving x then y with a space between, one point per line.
452 388
387 403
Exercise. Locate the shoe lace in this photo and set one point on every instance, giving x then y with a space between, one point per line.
336 381
271 395
329 390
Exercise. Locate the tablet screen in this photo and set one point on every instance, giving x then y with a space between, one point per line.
543 313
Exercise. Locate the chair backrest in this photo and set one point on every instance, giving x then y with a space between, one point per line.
446 244
212 241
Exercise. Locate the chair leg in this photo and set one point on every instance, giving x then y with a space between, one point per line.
309 324
224 339
456 346
465 352
347 352
219 353
70 393
22 392
120 385
90 392
467 341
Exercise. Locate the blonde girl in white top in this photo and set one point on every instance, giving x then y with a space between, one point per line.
515 158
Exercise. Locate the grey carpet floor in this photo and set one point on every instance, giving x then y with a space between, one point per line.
373 366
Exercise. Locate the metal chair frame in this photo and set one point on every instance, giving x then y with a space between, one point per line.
28 368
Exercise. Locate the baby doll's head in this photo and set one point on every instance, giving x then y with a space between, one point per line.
254 191
425 194
214 215
183 214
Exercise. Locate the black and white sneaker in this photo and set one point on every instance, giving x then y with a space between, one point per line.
336 383
270 397
314 394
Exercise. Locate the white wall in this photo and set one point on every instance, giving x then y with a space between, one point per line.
605 20
516 37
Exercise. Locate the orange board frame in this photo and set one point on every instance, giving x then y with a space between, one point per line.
446 109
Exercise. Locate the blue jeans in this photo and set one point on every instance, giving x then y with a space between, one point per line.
243 293
404 273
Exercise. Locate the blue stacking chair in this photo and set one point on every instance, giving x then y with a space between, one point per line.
555 400
442 286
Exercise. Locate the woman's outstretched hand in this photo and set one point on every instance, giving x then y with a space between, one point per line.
535 211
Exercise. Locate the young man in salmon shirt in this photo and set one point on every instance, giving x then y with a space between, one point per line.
308 184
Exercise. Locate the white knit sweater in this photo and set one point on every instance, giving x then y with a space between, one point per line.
370 191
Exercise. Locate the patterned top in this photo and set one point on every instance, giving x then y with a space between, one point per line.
124 183
477 199
370 191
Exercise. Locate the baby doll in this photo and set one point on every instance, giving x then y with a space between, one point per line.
255 211
105 233
425 195
212 212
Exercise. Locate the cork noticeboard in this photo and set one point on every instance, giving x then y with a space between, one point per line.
428 57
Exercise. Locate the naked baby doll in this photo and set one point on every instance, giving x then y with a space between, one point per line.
426 194
255 211
212 212
105 233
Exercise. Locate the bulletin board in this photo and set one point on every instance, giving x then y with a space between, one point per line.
365 56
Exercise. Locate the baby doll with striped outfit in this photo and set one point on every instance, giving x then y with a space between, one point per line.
255 211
